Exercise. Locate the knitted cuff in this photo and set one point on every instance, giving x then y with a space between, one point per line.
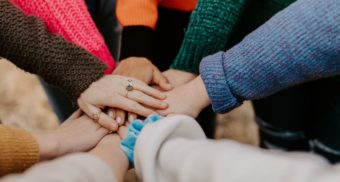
191 53
18 149
135 128
214 78
137 41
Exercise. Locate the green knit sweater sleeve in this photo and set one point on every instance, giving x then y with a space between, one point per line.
207 33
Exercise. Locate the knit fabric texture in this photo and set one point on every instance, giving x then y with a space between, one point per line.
18 150
145 12
26 42
135 128
71 19
299 44
217 23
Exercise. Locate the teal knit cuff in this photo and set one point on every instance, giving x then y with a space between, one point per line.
135 128
191 54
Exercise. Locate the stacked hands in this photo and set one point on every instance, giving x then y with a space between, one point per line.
137 89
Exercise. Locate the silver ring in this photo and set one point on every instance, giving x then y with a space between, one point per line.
129 86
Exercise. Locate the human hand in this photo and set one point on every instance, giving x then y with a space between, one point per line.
108 149
142 69
120 116
112 91
178 77
77 133
189 99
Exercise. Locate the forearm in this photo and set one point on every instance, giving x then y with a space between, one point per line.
26 42
115 159
297 45
76 167
209 29
138 18
175 149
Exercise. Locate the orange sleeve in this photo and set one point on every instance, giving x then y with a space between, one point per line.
137 12
18 150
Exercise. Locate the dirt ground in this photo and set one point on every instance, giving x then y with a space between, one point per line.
24 104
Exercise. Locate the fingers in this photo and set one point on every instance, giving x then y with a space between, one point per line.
146 100
132 117
97 115
76 114
161 80
139 85
130 106
122 132
120 117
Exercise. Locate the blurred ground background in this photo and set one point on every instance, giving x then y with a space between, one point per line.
23 104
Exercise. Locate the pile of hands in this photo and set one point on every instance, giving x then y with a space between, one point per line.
133 91
112 104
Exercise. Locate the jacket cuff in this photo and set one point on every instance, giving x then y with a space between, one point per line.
214 78
137 41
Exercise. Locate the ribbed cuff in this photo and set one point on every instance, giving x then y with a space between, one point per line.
191 54
214 78
19 150
137 41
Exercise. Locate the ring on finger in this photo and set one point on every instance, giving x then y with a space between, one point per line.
129 86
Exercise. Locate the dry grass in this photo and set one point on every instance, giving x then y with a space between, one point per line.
24 104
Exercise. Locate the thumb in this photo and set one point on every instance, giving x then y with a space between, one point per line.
161 80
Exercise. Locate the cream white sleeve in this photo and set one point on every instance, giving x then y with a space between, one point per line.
175 149
81 167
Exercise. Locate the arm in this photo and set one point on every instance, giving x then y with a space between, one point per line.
175 149
26 43
105 163
71 20
299 44
76 167
138 18
209 29
19 149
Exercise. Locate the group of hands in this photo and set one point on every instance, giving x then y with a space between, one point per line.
107 108
108 102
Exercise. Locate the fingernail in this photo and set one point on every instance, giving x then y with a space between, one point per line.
164 104
114 127
111 114
131 118
119 120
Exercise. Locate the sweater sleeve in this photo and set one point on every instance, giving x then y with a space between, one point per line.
26 43
210 26
75 167
174 149
72 20
18 150
299 44
138 18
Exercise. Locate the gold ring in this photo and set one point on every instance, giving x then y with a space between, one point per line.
129 86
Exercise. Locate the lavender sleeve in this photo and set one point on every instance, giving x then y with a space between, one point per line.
299 44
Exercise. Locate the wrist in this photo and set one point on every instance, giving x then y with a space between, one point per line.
48 145
198 85
114 157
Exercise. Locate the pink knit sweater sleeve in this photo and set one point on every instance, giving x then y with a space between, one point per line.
70 19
